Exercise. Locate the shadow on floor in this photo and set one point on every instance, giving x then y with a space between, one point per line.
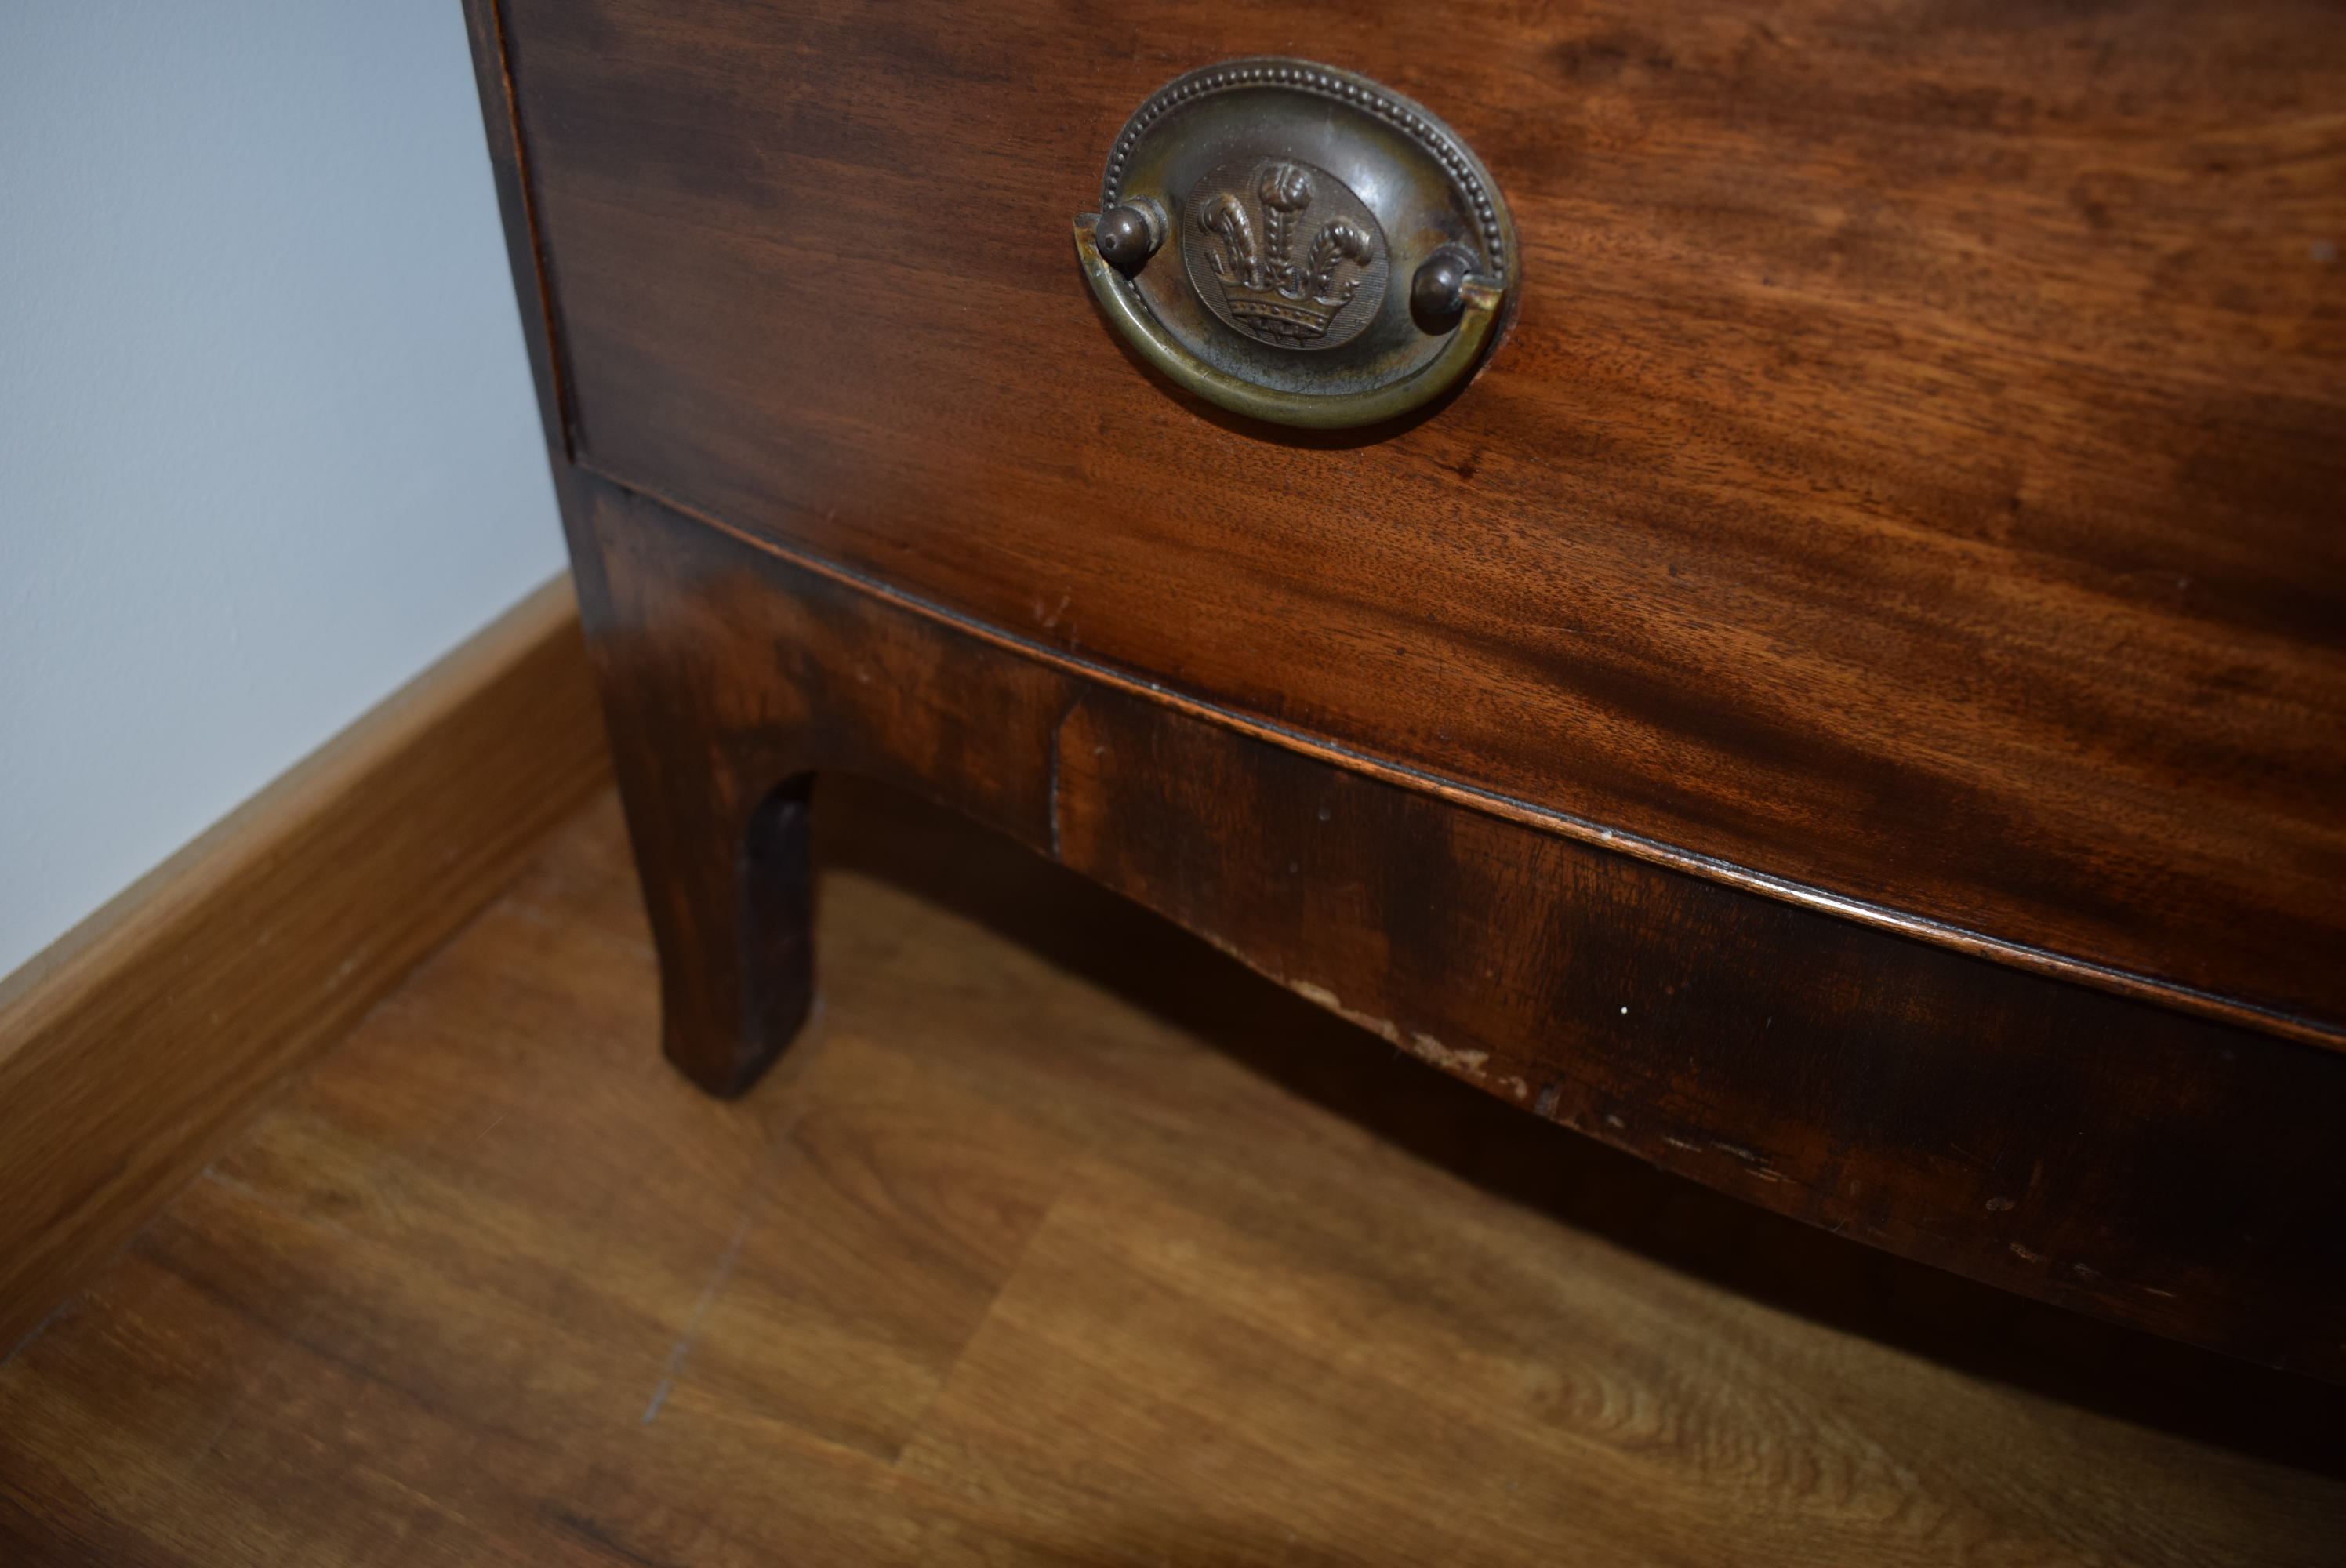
1794 1267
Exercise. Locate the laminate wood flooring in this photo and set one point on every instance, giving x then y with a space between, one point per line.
1059 1238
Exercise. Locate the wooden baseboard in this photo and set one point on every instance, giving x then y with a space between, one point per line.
136 1043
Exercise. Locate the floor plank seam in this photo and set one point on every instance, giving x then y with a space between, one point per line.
1051 1205
760 1193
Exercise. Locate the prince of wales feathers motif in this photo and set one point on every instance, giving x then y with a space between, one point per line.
1269 293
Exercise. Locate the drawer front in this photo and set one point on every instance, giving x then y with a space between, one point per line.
1913 477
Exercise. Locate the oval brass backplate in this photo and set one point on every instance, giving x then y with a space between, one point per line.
1298 244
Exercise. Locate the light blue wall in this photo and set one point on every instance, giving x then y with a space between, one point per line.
267 443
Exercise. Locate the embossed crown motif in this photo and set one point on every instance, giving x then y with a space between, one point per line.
1271 292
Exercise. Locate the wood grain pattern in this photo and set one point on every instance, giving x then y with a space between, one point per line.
130 1049
1065 1240
2107 1155
1913 476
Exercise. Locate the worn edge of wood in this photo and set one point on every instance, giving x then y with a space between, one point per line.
133 1045
517 209
1977 944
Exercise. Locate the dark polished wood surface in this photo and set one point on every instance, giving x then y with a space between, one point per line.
1887 577
1913 477
2087 1149
1061 1240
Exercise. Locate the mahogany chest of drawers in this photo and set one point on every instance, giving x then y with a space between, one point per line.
1848 701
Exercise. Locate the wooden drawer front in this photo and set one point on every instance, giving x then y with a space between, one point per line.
1915 473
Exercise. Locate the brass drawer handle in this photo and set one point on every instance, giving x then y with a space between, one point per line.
1255 217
